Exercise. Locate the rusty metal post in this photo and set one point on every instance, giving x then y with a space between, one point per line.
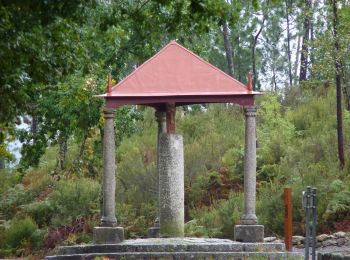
170 118
288 227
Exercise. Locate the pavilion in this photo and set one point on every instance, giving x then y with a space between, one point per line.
175 77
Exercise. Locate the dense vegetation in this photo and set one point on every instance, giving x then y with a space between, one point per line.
55 56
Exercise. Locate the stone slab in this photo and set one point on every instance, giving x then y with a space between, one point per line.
340 255
108 235
167 245
263 247
181 256
249 233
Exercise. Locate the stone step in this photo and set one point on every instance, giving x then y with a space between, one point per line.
173 245
173 248
179 256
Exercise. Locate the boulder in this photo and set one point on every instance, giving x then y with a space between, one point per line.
340 234
297 240
329 242
323 237
269 239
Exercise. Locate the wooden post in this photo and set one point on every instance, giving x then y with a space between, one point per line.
288 228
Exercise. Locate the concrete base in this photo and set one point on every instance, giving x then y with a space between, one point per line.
249 233
175 248
153 232
108 235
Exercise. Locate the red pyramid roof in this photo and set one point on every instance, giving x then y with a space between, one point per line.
177 75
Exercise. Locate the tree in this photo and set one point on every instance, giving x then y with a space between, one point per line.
304 57
337 67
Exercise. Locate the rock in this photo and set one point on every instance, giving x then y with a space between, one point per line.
269 239
341 241
340 234
329 242
297 240
323 237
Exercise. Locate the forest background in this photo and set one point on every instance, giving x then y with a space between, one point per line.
56 55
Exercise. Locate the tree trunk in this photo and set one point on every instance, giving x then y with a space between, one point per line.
288 45
82 148
296 63
228 49
337 67
62 142
2 163
255 40
304 47
34 125
274 78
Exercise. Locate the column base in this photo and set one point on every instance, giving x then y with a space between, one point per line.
108 235
249 233
153 232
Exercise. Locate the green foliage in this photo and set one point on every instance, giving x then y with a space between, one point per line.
22 233
217 220
71 199
338 201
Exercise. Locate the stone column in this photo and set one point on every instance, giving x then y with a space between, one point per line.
171 185
249 231
108 232
161 121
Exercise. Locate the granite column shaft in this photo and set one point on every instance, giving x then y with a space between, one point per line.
249 217
108 212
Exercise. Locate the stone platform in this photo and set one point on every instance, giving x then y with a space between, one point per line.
174 248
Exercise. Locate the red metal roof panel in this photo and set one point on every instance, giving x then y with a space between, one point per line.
176 71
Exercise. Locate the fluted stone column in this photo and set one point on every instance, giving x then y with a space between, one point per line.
161 121
108 232
249 231
171 185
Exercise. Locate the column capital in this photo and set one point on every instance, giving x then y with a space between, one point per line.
250 111
108 112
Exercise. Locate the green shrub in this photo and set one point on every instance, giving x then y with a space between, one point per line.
23 232
40 211
13 198
217 220
73 198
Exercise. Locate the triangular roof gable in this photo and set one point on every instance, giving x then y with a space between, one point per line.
176 71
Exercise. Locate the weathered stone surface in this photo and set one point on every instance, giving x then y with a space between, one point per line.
341 241
249 217
269 239
340 255
322 237
108 176
339 234
297 240
171 185
181 256
249 233
329 242
174 248
108 235
263 247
